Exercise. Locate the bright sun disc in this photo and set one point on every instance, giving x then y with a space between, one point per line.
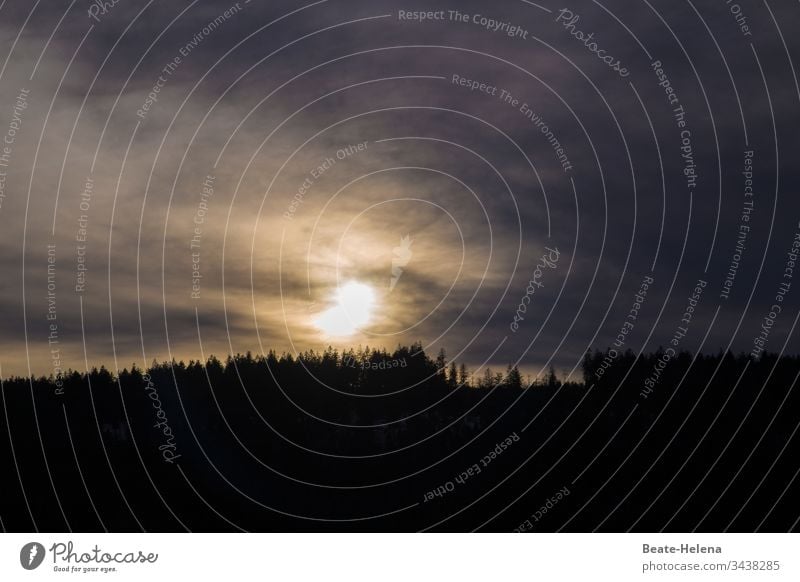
353 309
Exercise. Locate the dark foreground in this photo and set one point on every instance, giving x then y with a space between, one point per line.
396 442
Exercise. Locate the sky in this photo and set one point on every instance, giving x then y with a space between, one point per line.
514 182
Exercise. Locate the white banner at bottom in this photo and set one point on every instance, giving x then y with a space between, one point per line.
399 557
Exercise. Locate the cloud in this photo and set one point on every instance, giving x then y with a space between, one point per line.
267 119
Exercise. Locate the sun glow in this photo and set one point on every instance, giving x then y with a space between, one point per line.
353 310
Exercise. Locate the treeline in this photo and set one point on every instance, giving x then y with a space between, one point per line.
358 369
260 440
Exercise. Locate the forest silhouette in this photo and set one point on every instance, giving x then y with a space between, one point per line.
358 440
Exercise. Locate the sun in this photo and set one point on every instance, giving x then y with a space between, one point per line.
353 310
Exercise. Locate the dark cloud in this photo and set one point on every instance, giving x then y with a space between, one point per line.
234 96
